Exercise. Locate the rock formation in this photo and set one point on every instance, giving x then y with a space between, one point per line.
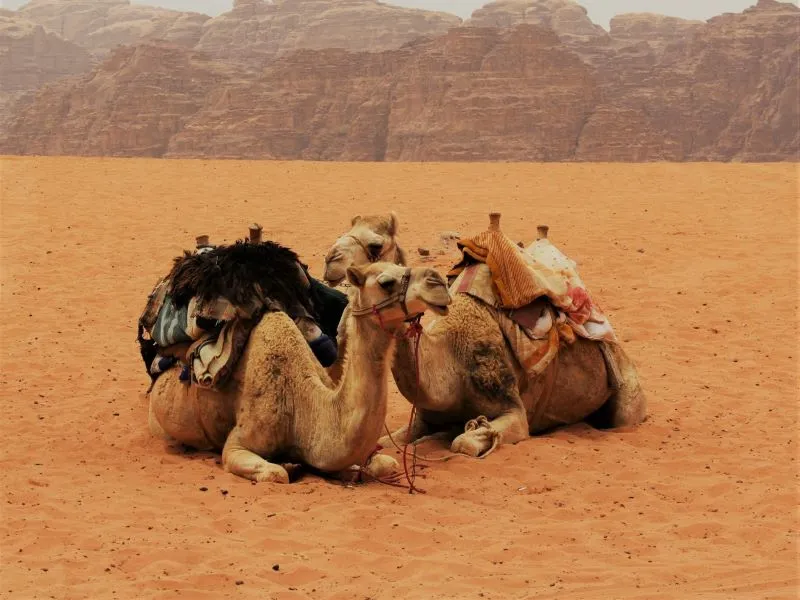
472 94
101 25
567 18
30 56
727 91
130 106
653 88
258 30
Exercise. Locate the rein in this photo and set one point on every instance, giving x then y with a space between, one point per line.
414 332
398 297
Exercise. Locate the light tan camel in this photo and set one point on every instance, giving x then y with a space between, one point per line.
470 381
281 404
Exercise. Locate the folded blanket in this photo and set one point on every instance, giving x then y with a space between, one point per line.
512 277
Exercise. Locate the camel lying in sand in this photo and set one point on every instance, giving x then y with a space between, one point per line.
281 404
470 380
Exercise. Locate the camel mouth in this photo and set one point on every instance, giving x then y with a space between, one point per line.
334 282
439 309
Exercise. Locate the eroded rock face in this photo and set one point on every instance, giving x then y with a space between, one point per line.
129 106
30 56
726 91
472 94
568 19
654 89
101 25
257 30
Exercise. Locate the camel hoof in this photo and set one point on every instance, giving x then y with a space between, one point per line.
381 466
473 443
272 474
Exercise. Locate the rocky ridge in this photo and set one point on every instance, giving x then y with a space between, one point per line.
257 30
31 56
653 88
102 25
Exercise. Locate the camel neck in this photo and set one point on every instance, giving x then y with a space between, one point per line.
360 400
405 369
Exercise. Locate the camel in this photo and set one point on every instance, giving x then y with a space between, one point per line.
468 379
281 405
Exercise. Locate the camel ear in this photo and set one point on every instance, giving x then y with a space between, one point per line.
356 276
394 224
355 219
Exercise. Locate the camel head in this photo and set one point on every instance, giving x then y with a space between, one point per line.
370 239
391 294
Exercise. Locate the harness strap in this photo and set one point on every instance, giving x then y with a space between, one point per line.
400 297
373 259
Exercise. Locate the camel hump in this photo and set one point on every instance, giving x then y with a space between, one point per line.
212 299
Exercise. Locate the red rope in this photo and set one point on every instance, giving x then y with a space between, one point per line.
414 332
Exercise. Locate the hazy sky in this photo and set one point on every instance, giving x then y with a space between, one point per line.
599 10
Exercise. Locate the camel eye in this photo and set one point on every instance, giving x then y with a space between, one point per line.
334 254
387 284
374 250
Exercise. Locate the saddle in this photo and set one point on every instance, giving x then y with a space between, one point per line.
202 313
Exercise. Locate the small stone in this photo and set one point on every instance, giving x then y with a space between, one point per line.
276 567
239 582
204 489
424 251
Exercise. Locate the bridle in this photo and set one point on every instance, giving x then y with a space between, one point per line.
370 257
414 333
399 297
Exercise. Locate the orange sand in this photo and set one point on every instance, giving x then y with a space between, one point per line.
695 264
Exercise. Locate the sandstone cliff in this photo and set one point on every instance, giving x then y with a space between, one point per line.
260 30
472 94
101 25
130 106
651 89
30 56
727 91
567 18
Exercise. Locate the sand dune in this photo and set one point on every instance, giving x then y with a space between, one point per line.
695 264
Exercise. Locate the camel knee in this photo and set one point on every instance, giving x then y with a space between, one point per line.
240 461
630 411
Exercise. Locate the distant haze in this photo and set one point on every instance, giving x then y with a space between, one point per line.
600 11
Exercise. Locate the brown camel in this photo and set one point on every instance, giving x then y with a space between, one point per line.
470 380
281 404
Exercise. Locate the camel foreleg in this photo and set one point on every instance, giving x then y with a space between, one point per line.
242 462
482 436
407 435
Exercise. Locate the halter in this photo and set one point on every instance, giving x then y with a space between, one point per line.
370 258
399 296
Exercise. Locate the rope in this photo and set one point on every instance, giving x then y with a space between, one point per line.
414 332
479 422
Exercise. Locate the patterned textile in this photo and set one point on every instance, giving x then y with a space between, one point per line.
561 309
515 284
502 275
210 337
214 357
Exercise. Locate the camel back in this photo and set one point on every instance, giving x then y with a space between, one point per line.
536 294
203 311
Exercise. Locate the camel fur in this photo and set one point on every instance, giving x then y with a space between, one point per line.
280 405
470 381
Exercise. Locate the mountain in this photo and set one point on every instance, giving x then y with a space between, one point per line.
521 80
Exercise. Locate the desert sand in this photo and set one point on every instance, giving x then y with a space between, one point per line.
696 265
